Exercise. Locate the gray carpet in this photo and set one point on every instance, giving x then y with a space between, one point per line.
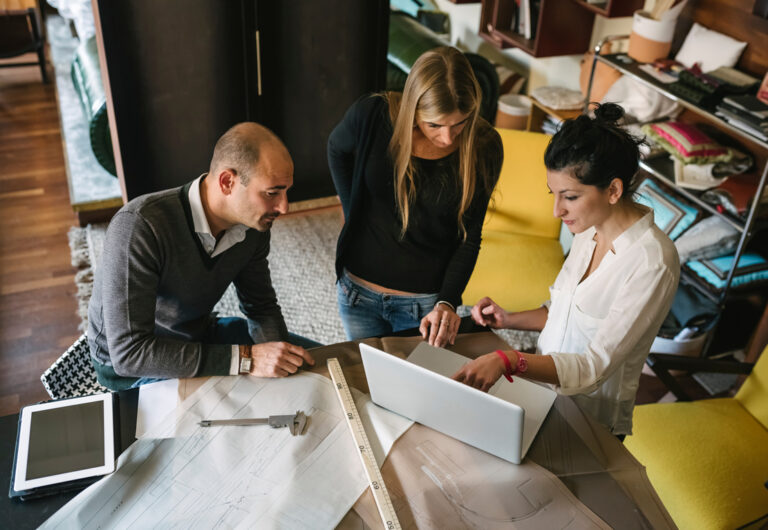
302 266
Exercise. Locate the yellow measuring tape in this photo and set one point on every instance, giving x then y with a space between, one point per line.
378 488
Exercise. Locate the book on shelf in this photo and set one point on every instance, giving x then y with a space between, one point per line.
762 134
743 115
525 19
748 103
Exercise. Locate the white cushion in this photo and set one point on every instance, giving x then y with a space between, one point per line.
709 48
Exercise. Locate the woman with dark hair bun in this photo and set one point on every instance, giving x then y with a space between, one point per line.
615 287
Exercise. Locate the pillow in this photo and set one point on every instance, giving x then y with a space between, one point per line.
687 143
710 238
671 214
709 48
752 268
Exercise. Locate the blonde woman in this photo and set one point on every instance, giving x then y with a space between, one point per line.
414 172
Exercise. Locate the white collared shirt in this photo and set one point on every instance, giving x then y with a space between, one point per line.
599 331
232 236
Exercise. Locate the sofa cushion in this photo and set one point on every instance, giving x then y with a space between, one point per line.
515 270
707 460
521 203
753 394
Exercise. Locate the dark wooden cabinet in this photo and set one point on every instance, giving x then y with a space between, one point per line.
563 27
612 8
181 72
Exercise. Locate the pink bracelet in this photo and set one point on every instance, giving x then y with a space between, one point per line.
507 365
522 365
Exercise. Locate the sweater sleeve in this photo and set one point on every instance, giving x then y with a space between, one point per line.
131 269
258 300
462 263
342 145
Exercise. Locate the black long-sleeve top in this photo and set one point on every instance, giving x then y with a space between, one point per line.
432 257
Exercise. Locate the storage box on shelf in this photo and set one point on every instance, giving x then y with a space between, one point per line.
661 168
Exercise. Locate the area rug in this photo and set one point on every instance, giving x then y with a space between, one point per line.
301 258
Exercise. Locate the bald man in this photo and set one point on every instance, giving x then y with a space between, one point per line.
168 258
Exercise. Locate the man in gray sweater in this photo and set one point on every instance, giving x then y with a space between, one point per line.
168 258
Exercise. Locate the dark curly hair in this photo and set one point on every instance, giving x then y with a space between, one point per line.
596 149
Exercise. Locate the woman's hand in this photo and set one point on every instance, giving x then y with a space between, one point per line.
487 313
440 326
481 373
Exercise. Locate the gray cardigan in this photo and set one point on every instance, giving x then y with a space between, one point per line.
156 287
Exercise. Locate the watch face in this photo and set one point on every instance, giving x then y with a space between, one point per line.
245 365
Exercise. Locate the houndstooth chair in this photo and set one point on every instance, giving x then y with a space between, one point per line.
72 374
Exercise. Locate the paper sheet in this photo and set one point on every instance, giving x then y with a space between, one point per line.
438 482
156 402
186 476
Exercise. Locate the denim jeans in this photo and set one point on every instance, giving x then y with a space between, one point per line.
367 313
232 330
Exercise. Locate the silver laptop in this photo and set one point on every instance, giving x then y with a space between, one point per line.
502 422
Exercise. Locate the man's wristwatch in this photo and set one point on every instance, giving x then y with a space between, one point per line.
245 359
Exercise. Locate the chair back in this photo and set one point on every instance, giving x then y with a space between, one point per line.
521 202
753 394
72 374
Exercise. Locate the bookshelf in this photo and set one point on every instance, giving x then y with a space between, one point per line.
564 27
661 169
612 8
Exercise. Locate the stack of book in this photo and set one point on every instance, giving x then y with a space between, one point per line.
745 112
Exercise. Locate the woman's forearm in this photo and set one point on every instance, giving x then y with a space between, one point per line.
531 320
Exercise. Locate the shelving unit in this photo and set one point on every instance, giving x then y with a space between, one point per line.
564 27
539 112
662 168
612 8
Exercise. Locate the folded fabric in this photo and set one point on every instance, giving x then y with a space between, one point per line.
671 214
707 176
687 143
559 98
709 238
640 101
752 268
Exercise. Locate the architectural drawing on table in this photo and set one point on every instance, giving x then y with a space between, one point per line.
184 475
452 485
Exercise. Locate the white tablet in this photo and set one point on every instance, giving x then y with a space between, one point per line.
66 440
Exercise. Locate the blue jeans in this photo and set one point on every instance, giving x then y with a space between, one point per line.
232 330
366 313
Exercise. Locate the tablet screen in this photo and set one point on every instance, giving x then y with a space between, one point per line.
65 440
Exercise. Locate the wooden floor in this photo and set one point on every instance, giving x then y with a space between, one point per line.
37 289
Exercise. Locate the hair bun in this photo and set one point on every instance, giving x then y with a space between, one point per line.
609 113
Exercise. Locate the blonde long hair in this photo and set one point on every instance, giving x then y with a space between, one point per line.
441 82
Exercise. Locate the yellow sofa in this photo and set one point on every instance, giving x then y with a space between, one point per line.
520 254
708 459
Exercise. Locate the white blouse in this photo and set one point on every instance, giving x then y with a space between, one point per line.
599 331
